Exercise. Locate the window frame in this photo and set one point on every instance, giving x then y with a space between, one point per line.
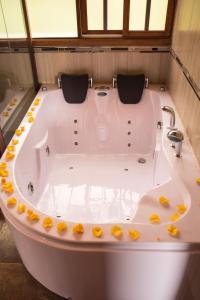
150 33
91 38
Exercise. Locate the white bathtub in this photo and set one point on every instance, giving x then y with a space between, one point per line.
81 163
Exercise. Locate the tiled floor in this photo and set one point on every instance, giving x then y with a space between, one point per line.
15 282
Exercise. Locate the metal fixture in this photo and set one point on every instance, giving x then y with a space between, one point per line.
172 116
159 124
44 88
114 82
90 80
146 82
141 160
47 151
101 94
30 188
176 137
162 88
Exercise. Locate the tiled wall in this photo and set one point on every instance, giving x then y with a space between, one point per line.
186 45
102 66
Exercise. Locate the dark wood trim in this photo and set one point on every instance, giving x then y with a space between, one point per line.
31 52
170 16
148 9
104 32
83 11
92 42
105 14
126 15
78 16
14 43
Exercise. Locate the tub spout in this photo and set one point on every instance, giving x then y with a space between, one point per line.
172 116
176 137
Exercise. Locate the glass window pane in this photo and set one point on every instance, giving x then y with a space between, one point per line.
158 14
52 18
137 14
115 14
95 14
3 33
14 18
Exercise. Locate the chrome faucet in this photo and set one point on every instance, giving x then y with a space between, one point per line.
176 137
172 116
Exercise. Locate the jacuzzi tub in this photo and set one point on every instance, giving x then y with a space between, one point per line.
102 165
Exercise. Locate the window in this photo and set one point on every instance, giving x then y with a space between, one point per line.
14 19
50 18
51 21
127 17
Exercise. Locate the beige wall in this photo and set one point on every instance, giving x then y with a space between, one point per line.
17 67
103 65
186 44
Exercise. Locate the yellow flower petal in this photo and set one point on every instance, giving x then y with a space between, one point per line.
3 165
61 227
38 99
9 155
32 217
164 201
35 103
11 202
134 234
3 180
15 142
155 219
47 223
116 231
11 148
3 173
30 119
21 208
175 217
8 188
97 231
18 132
198 181
181 208
32 108
22 128
78 229
172 230
29 113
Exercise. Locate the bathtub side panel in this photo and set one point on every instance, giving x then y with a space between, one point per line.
107 275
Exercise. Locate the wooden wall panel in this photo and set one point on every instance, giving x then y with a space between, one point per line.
187 105
186 45
102 66
186 36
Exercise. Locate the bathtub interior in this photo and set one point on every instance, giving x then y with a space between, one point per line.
97 162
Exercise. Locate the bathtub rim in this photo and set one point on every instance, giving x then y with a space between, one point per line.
71 238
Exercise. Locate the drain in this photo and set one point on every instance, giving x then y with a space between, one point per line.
129 121
141 160
58 216
75 132
128 218
129 144
76 143
71 168
75 121
125 169
129 133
